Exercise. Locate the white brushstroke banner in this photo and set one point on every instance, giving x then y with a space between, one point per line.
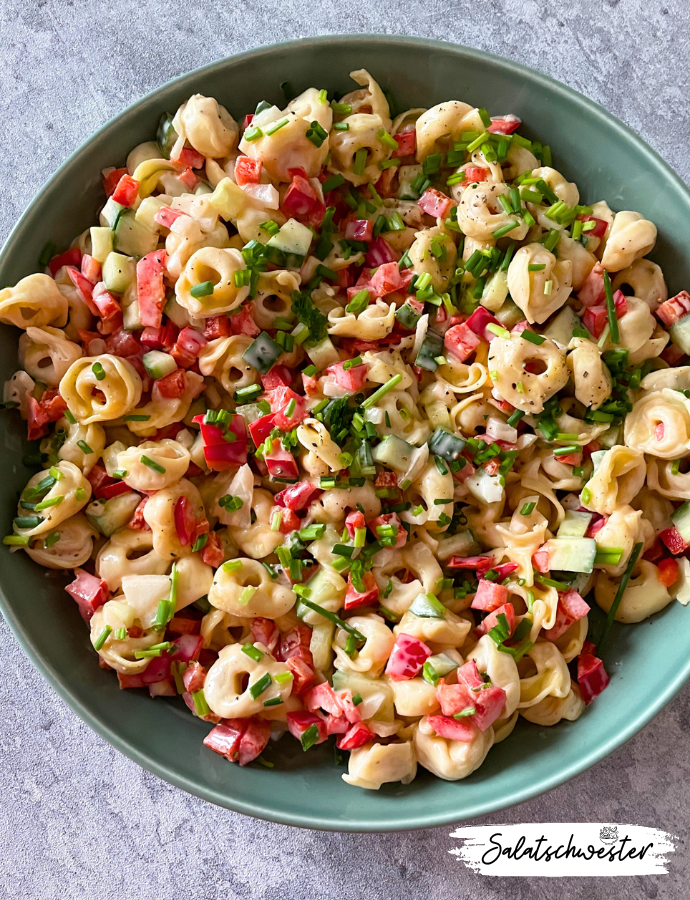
562 849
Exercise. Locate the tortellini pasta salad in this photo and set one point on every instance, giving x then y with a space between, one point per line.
343 420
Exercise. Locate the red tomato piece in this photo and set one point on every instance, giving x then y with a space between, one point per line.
297 496
489 595
407 144
71 257
359 230
194 677
380 252
389 519
323 697
217 326
478 321
277 377
127 191
289 521
254 740
370 594
668 572
150 287
90 268
508 610
453 729
248 170
434 203
357 736
299 722
352 379
541 561
40 413
591 675
167 216
461 341
300 198
407 657
185 522
600 226
388 278
673 540
89 592
353 521
173 385
674 309
592 291
190 157
212 553
225 739
488 702
480 563
161 338
475 174
264 631
504 124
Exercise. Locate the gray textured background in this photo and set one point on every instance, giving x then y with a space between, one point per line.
77 819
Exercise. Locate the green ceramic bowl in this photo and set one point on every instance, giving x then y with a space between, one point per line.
590 147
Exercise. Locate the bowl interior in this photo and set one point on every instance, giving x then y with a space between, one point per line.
648 662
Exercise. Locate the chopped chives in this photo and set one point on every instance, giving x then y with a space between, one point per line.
360 161
274 701
276 126
330 184
332 617
611 309
200 704
98 371
134 417
382 391
16 540
46 504
28 521
341 109
283 677
309 737
102 638
505 229
387 140
202 290
253 134
84 447
70 418
232 565
152 464
532 337
637 549
261 685
51 539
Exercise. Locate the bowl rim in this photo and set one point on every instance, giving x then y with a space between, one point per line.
57 679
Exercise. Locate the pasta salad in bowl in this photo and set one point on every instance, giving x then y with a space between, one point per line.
344 419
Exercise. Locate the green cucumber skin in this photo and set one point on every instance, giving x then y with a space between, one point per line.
432 346
118 272
680 334
158 364
263 353
681 521
131 237
114 513
445 444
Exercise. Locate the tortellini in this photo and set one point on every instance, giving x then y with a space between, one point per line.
207 125
68 494
160 516
448 759
248 591
659 424
631 237
218 266
153 465
100 388
46 354
229 683
644 595
35 301
616 481
480 213
538 282
589 372
527 390
372 765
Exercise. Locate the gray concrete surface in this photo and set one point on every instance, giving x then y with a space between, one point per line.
77 819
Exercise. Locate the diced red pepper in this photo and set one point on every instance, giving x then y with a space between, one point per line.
300 198
434 203
478 321
352 379
108 491
161 338
297 496
277 377
89 592
541 561
388 278
299 722
668 572
323 697
182 625
289 521
173 385
112 179
190 157
138 522
504 124
217 326
673 540
188 647
279 399
592 291
150 287
357 736
353 521
480 563
453 729
359 230
407 657
389 519
280 462
166 216
185 520
489 595
194 677
488 702
71 257
248 170
225 738
261 428
189 179
475 174
296 644
591 674
84 288
571 608
221 454
600 226
674 309
212 552
187 347
122 343
40 413
254 740
90 268
370 594
127 191
507 610
407 144
461 341
380 252
264 631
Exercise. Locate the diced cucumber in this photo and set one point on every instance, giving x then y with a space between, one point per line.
166 135
393 452
132 237
442 664
575 524
176 313
408 316
131 318
148 208
509 314
463 543
158 364
495 291
110 515
447 445
426 606
610 437
101 243
572 554
323 353
263 353
111 213
431 348
681 520
597 459
680 334
118 272
561 329
406 175
293 238
202 188
327 590
228 200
